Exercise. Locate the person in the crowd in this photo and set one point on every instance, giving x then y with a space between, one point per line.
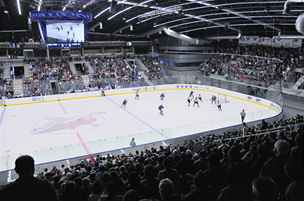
264 189
27 187
274 167
167 190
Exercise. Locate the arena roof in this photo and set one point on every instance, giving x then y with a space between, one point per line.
198 18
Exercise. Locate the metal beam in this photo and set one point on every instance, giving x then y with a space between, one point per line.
215 14
129 8
235 13
224 18
220 5
170 11
232 25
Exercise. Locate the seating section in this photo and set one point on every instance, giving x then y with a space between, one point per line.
255 64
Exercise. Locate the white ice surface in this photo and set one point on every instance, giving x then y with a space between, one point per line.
67 129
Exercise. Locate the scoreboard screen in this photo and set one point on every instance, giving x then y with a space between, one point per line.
65 31
60 29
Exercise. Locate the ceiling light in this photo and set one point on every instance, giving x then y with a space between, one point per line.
19 7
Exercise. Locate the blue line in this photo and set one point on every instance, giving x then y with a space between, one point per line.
62 107
137 118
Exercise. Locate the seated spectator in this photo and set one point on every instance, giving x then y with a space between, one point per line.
69 191
294 191
130 195
295 165
27 187
201 189
167 190
149 182
264 189
274 167
238 187
96 192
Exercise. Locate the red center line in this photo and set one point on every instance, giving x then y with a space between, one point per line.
85 146
80 139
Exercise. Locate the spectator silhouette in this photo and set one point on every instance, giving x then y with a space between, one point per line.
167 190
264 189
274 167
27 187
294 191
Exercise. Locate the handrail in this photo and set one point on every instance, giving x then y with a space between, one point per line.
224 54
262 133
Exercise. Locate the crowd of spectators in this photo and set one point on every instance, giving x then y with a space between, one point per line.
6 85
154 70
260 64
265 167
112 69
260 71
43 71
109 72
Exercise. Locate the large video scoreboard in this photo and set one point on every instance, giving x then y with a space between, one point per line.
62 28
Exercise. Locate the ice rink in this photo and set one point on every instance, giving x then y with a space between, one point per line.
64 129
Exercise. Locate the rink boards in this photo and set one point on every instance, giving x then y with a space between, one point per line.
97 124
148 89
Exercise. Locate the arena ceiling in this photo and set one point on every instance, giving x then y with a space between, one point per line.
197 18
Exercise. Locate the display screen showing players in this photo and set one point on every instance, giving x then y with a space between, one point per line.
65 31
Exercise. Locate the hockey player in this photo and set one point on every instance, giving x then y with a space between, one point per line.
132 143
243 115
191 95
137 94
162 96
124 104
200 98
3 101
195 102
161 109
213 99
103 92
189 101
219 106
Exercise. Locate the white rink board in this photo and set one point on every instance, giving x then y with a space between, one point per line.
70 125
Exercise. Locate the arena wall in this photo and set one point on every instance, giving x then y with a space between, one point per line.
222 93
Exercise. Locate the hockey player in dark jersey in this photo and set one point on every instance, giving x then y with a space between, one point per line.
161 109
191 95
200 98
195 102
213 99
162 96
137 94
189 101
219 106
124 104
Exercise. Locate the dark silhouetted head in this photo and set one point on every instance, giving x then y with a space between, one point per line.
25 166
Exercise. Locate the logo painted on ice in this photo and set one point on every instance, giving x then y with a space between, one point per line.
59 124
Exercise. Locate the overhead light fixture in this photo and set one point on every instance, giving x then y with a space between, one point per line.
131 27
5 11
39 5
100 25
143 4
19 7
101 12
